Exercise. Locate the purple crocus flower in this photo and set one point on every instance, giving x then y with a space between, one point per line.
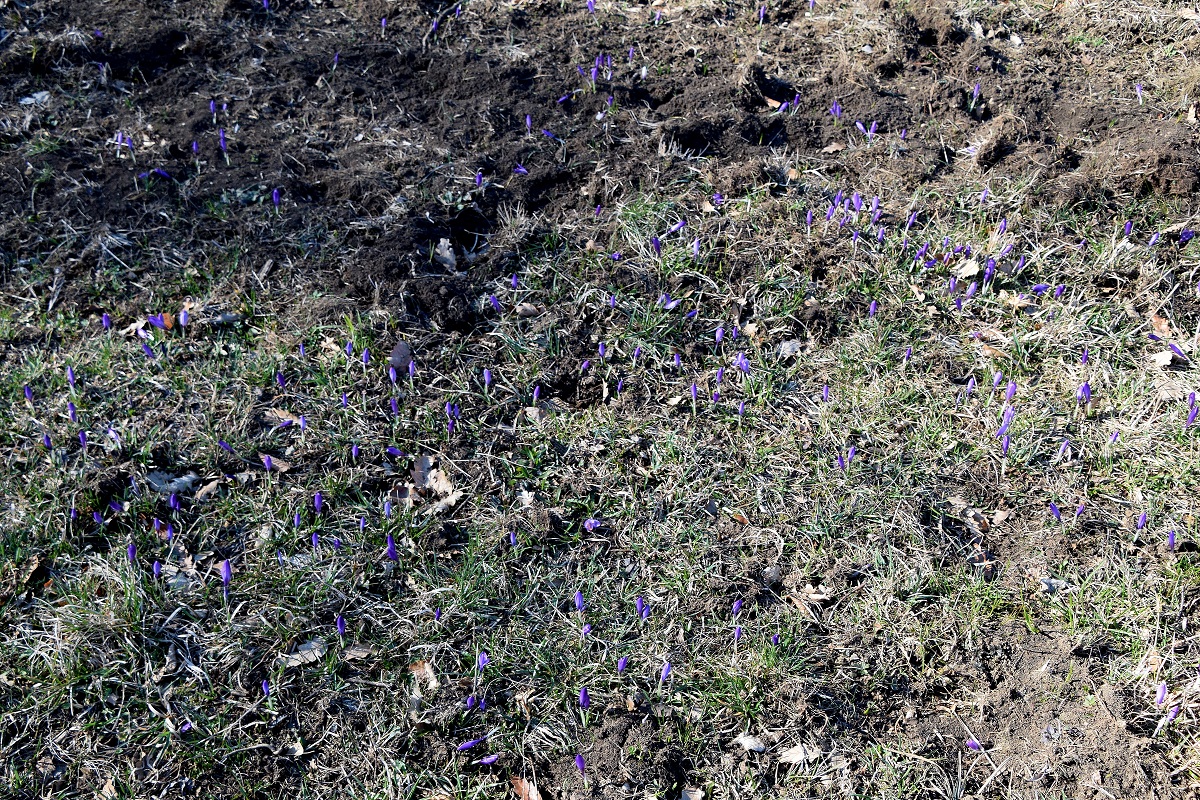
974 745
341 625
579 601
1170 540
472 743
1055 512
579 763
482 660
391 549
622 663
1161 696
131 551
737 634
585 700
737 607
1141 521
666 672
226 575
872 308
1084 393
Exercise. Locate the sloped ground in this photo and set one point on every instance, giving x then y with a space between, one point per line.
851 342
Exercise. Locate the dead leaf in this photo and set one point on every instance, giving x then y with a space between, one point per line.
446 503
790 348
917 293
750 743
423 672
525 789
772 102
800 754
278 416
815 594
993 352
529 310
739 517
165 483
1000 516
426 476
277 464
1161 326
969 269
1163 359
108 791
1017 301
208 489
356 652
835 147
306 653
443 254
692 793
401 356
293 750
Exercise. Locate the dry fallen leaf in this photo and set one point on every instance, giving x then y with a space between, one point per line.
1160 326
446 503
277 464
993 352
278 416
529 310
443 254
525 789
835 147
208 489
750 743
423 672
356 652
800 754
969 269
1163 359
790 348
692 793
306 653
739 517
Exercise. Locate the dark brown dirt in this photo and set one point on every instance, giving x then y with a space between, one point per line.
376 159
